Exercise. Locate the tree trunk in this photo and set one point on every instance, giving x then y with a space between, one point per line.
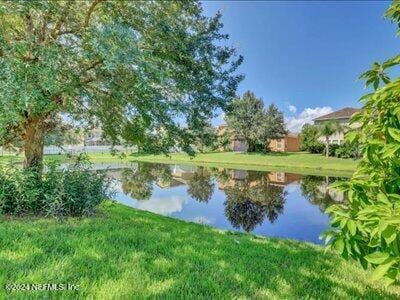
327 147
34 143
250 146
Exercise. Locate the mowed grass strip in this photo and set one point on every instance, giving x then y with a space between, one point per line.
296 162
127 253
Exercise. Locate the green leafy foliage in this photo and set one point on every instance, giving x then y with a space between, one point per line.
63 134
309 139
326 129
248 120
60 192
333 148
248 202
138 181
347 150
223 141
201 185
147 72
367 228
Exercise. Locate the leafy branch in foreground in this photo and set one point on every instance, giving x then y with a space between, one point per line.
367 228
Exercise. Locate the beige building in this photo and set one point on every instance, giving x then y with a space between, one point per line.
341 116
288 143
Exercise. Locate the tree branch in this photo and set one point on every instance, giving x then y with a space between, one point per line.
29 24
42 33
94 65
89 13
57 27
66 32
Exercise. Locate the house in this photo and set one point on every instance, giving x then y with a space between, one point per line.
289 142
236 143
341 116
273 178
94 137
282 178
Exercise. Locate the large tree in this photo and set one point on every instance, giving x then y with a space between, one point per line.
145 71
274 124
247 119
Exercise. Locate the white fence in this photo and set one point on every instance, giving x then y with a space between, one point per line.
75 149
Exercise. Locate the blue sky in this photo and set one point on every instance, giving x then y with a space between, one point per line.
306 56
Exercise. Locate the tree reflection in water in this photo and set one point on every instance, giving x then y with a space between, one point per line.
138 183
251 196
316 190
201 185
251 199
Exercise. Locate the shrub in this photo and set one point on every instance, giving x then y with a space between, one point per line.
367 228
309 139
332 149
71 191
316 147
347 150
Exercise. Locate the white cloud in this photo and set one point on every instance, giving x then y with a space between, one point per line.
294 124
163 205
292 108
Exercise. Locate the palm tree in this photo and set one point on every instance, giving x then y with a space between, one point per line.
326 130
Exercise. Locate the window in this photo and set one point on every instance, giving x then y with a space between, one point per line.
279 144
280 176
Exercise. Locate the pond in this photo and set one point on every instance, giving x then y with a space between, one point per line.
275 204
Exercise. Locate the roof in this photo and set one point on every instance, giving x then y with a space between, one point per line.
344 113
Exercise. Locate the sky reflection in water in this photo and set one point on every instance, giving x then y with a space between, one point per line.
275 204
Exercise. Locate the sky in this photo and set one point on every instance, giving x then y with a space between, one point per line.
306 56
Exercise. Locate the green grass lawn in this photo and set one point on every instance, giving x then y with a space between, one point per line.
126 253
296 162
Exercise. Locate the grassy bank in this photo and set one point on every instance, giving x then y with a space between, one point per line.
296 162
128 253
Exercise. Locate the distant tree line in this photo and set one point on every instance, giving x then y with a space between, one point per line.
311 136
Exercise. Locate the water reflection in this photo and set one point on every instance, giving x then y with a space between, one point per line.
251 197
201 185
138 182
269 203
315 189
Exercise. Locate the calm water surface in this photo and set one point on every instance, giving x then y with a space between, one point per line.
275 204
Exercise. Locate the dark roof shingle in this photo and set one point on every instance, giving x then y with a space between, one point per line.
344 113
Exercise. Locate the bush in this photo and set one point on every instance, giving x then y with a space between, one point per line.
309 139
347 150
59 192
316 147
367 228
332 149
